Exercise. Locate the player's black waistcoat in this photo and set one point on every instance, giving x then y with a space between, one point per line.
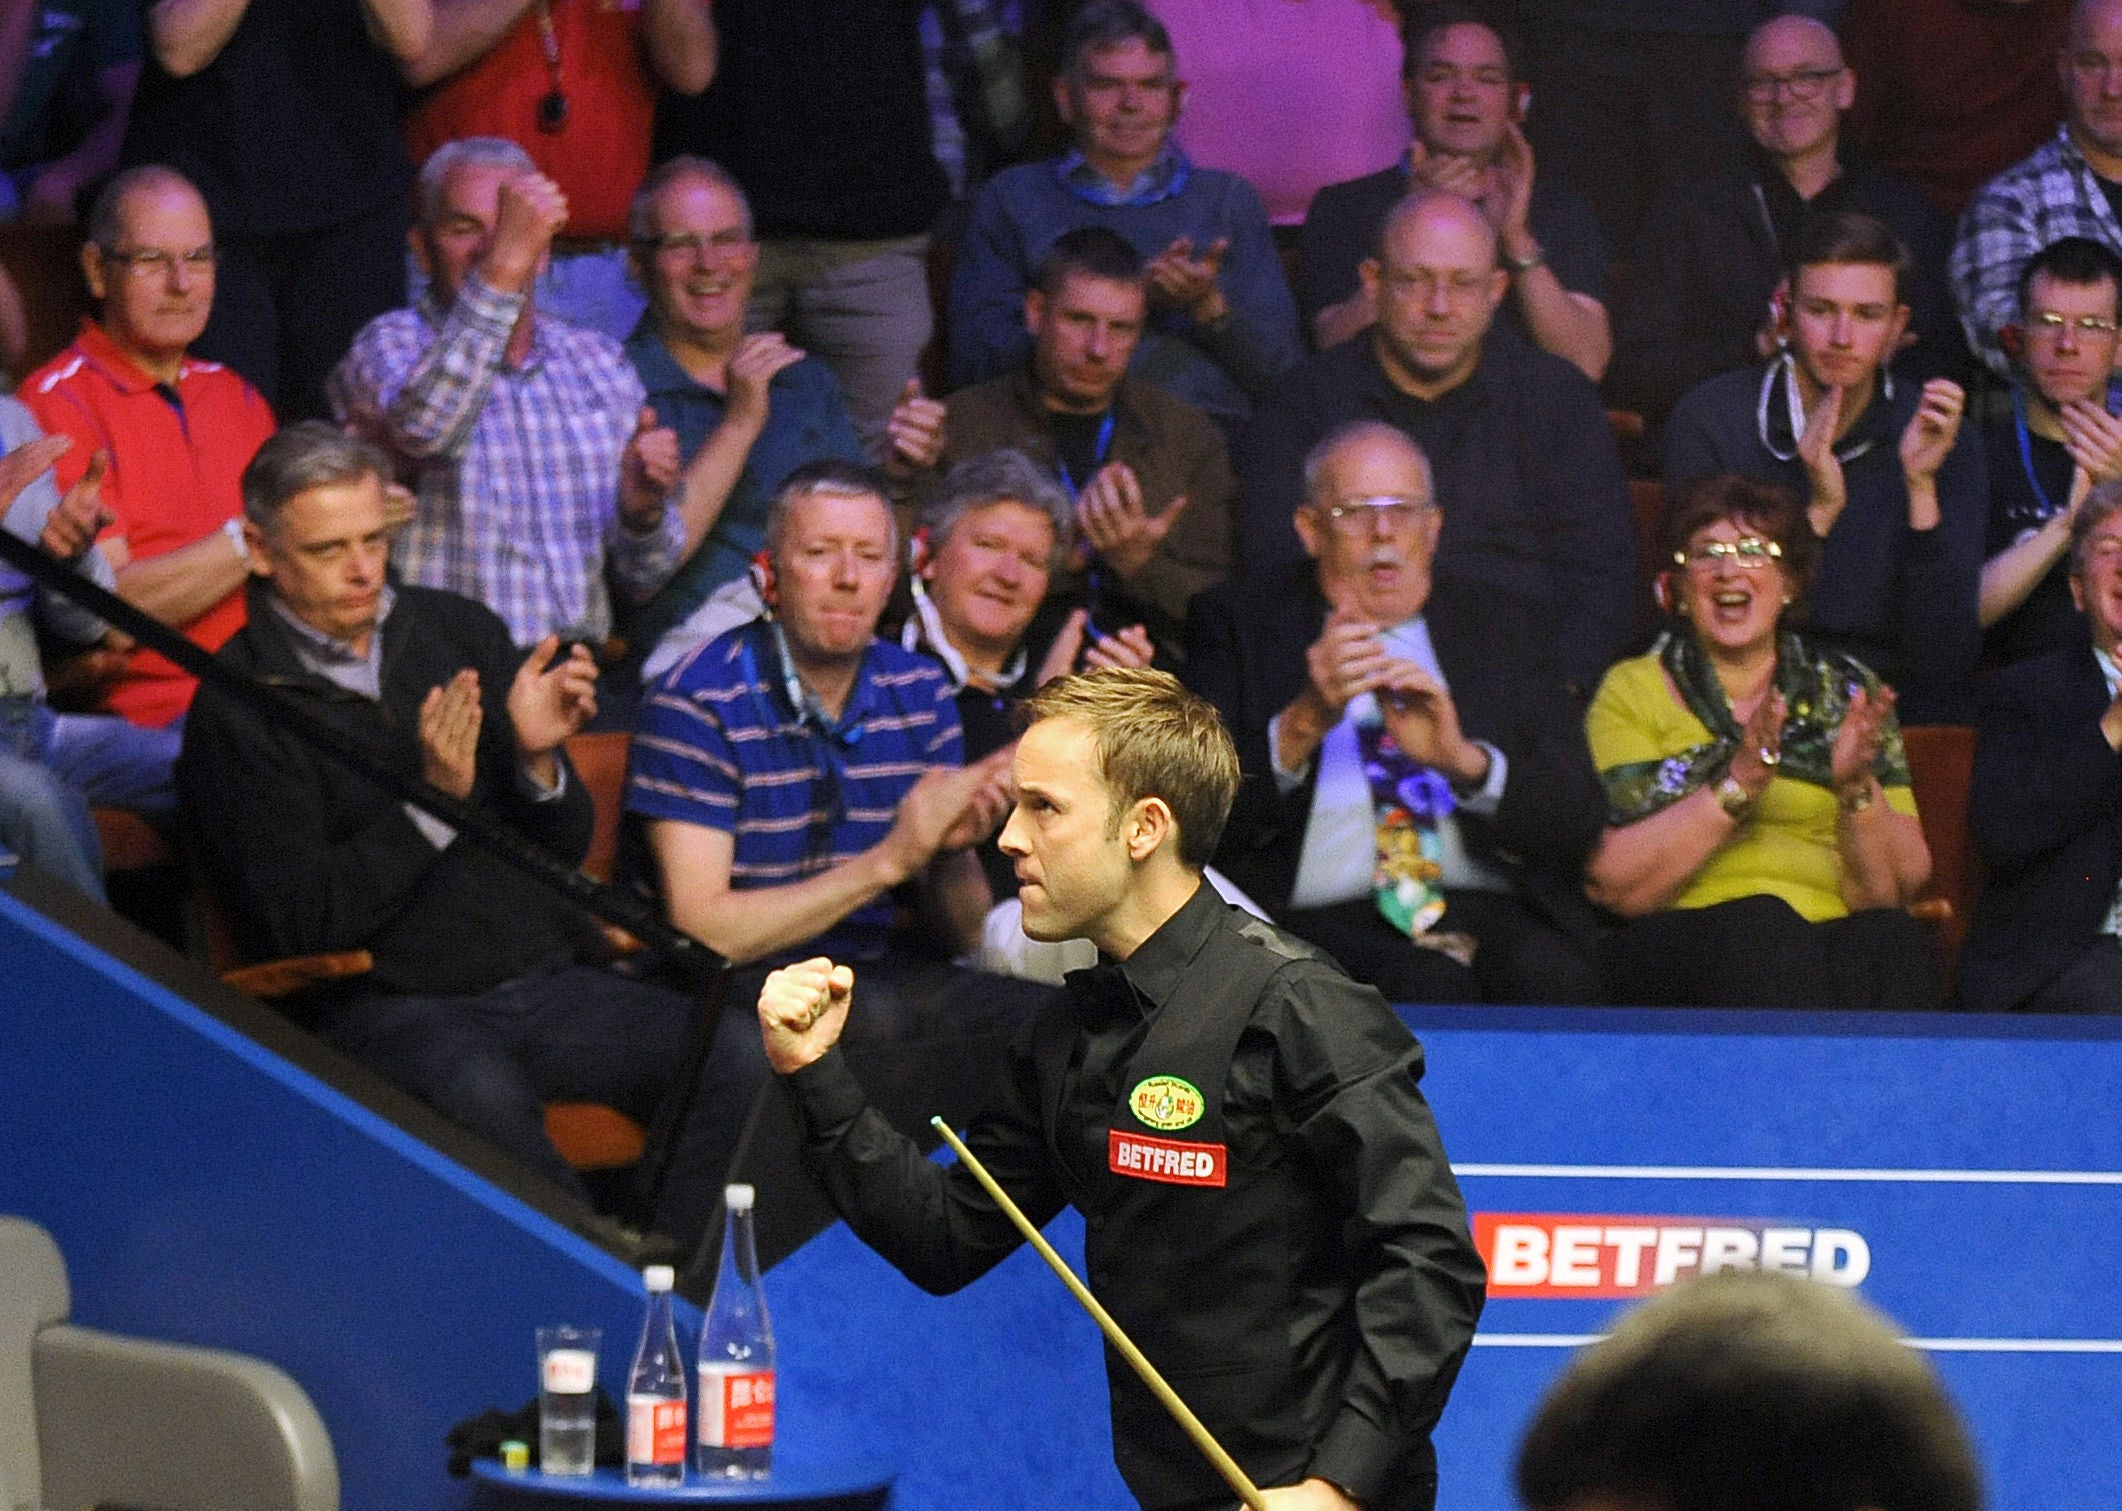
1206 1237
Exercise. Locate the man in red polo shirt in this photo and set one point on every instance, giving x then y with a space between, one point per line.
573 83
177 432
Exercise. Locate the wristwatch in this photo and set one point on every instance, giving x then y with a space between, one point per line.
1733 798
1526 263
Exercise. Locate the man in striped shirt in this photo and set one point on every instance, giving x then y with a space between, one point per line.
797 772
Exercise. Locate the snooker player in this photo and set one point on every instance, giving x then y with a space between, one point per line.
1269 1215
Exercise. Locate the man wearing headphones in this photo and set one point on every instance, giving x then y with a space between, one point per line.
796 772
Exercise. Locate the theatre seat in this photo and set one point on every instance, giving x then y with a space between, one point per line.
92 1418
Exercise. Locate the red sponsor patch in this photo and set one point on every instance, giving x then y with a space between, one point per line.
1167 1160
1594 1256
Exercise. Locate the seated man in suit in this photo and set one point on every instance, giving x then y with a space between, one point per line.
1391 720
2048 934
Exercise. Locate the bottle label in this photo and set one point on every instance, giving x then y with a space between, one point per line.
571 1371
736 1408
655 1430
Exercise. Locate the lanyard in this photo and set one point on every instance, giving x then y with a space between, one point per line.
2026 455
1103 444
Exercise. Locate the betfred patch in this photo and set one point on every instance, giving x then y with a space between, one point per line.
1166 1103
1167 1160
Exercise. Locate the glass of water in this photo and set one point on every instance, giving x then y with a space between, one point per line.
567 1399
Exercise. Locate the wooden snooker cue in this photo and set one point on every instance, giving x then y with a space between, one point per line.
1181 1412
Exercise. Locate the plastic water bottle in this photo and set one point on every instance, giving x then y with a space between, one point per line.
736 1439
655 1393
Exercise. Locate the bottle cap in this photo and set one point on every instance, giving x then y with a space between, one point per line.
515 1455
659 1277
737 1198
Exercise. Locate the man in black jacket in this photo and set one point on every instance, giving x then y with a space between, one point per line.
1270 1213
480 1002
1301 664
1695 302
2046 805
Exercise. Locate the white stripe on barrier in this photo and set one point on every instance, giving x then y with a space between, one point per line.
1931 1345
1755 1172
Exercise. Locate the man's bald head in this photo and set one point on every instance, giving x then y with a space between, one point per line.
1784 34
1794 88
1427 215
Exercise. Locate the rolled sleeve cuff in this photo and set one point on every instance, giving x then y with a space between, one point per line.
1358 1457
643 561
486 308
1286 782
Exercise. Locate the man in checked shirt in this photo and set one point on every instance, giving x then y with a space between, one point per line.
535 462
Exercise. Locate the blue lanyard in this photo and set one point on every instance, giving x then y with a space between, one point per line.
2026 455
1103 445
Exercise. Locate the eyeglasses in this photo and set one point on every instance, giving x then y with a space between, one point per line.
1396 511
1805 85
2051 325
153 262
690 245
1459 288
1749 553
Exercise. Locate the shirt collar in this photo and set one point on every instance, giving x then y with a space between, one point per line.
1157 965
924 631
124 373
324 654
2110 669
1161 180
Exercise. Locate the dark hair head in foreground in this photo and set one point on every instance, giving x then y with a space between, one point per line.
1749 1391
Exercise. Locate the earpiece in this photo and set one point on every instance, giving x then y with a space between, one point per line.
917 551
763 577
1661 593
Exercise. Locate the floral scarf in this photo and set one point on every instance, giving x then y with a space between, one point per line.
1816 690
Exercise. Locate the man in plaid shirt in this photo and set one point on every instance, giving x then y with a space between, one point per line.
535 462
2070 186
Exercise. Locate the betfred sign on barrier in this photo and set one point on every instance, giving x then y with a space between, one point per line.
1582 1257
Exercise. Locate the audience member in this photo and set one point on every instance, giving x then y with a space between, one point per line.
820 109
1695 302
1288 97
1223 327
1632 97
53 765
796 771
284 113
2047 935
2057 442
1894 486
483 1001
1418 800
74 65
573 83
1761 841
2067 187
1949 96
1467 98
535 463
1148 473
1526 469
987 543
175 432
1749 1391
747 410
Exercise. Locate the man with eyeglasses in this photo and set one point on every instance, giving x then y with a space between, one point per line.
1696 299
2058 441
1370 665
2070 186
544 482
574 84
1222 325
174 433
1894 485
1525 463
1466 96
747 410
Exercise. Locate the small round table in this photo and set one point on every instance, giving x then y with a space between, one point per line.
843 1484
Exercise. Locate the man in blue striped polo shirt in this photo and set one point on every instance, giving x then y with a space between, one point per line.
798 776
